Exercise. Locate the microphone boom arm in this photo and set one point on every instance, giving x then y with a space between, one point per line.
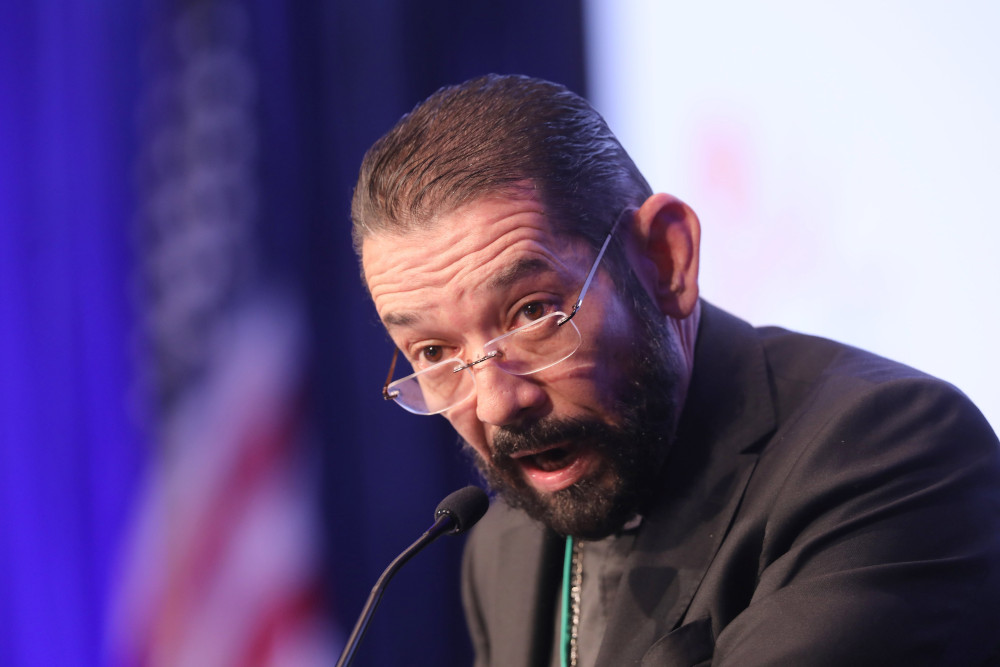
455 514
443 525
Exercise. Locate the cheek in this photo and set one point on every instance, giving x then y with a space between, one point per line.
463 419
609 351
590 387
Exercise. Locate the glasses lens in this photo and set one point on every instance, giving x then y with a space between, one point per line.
527 350
433 389
536 346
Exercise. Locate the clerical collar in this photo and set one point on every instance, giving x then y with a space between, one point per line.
632 523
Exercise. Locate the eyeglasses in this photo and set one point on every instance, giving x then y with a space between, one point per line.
531 348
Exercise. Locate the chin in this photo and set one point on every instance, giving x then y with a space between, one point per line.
590 509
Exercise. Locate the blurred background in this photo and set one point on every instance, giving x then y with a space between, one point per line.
196 465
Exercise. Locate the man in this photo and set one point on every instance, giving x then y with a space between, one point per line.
676 487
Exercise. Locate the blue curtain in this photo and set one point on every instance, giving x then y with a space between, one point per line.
70 448
74 430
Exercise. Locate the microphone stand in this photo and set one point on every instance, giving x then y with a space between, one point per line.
444 524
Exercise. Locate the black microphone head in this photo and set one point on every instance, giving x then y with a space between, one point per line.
465 507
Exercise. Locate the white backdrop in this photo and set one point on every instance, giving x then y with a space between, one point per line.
844 159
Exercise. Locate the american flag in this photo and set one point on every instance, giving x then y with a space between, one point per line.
222 566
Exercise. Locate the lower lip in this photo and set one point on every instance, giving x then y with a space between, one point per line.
557 480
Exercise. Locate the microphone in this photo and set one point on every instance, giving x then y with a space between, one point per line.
458 512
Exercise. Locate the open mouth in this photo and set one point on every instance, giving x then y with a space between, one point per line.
557 467
550 460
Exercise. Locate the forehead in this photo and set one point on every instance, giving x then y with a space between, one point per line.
482 247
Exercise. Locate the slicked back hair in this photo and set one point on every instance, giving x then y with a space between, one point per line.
498 135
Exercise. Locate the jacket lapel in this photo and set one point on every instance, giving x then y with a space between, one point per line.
528 579
728 410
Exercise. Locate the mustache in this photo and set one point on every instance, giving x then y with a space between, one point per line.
510 440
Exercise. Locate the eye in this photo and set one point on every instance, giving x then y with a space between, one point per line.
430 354
532 311
425 354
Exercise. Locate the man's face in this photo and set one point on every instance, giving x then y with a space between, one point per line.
576 445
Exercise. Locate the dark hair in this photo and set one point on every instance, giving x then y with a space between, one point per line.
497 135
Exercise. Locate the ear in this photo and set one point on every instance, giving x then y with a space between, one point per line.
664 252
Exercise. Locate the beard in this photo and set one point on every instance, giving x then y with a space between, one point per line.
632 451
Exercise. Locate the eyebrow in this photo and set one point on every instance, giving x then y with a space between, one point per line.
520 269
510 275
403 319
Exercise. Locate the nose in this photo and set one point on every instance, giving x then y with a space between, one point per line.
503 399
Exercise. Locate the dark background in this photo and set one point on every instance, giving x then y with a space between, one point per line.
84 387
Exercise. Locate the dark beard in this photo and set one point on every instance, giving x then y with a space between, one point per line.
633 451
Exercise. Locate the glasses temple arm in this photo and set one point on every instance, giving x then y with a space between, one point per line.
392 368
593 271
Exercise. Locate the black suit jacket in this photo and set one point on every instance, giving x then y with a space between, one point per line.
820 506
